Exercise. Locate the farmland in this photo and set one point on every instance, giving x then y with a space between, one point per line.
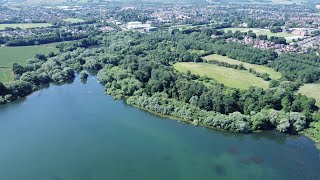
24 25
311 90
10 55
230 77
261 69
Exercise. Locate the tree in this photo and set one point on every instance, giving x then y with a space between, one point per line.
283 125
41 57
83 75
275 29
3 90
19 88
17 69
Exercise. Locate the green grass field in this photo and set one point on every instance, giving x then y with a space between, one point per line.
10 55
230 77
259 68
311 90
24 25
199 52
259 31
73 20
288 1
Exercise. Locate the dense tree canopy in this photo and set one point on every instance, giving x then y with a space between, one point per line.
138 67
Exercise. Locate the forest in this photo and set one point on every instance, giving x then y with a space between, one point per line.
138 68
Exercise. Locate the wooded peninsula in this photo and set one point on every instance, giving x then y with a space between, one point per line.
140 68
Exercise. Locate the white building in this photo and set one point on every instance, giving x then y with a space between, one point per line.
137 25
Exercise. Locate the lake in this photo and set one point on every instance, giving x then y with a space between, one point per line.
76 132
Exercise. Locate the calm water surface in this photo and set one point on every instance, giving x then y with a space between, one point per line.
75 132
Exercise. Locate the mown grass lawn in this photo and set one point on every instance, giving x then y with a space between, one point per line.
24 25
20 54
259 68
311 90
73 20
229 77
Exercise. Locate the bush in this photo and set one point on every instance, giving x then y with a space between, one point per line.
83 75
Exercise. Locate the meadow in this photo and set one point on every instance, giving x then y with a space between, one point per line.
199 52
20 54
24 25
311 90
229 77
73 20
267 32
259 68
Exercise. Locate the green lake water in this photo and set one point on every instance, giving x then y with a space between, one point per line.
76 132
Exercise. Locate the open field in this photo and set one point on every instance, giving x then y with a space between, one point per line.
288 2
259 68
10 55
199 52
259 31
73 20
24 25
311 90
230 77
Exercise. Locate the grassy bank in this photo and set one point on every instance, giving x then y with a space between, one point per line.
313 133
230 77
259 68
311 90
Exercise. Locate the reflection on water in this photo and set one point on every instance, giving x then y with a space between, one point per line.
75 132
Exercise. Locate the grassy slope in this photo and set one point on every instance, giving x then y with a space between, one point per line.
10 55
229 77
24 25
261 69
262 31
311 90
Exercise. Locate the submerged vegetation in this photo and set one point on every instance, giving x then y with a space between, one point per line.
139 68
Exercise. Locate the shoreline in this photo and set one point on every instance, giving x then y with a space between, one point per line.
303 133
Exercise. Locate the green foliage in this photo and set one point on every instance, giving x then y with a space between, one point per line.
138 67
84 75
19 88
301 67
3 89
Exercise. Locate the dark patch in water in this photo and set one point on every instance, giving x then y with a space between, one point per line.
131 171
299 163
185 150
194 164
220 170
57 178
245 161
256 159
252 159
167 158
233 150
